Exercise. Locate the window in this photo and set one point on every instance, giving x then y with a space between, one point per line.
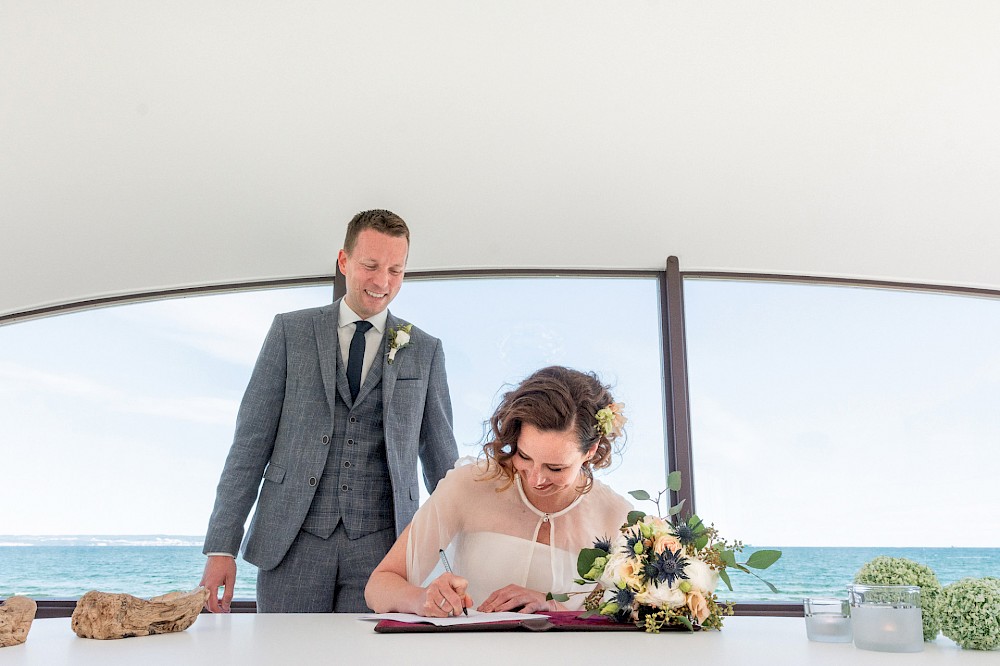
496 332
842 423
117 421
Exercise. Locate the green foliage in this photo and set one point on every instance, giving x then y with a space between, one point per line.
969 612
725 579
634 517
762 559
585 561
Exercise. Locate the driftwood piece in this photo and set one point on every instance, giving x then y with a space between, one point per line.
16 616
104 615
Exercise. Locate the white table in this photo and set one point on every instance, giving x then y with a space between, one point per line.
343 639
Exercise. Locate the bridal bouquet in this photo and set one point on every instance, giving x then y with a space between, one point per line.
659 572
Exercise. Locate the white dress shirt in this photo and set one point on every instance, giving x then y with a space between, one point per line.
345 332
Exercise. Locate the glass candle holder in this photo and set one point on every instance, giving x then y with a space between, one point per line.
828 620
886 618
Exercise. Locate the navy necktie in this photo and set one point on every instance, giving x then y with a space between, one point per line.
356 357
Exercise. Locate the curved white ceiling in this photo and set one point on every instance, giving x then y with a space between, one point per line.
146 146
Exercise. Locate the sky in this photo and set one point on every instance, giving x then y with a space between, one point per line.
820 415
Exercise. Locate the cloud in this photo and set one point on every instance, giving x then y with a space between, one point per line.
229 326
58 386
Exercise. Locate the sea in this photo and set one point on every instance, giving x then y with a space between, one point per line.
148 565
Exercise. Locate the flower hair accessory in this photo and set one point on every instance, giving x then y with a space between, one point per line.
399 337
610 420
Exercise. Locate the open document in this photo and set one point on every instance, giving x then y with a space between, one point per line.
474 617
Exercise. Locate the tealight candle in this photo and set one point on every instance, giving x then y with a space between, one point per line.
886 618
827 620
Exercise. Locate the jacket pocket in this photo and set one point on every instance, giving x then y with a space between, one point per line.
274 473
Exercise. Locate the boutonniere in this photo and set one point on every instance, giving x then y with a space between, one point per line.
399 337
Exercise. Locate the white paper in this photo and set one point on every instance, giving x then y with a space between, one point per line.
474 617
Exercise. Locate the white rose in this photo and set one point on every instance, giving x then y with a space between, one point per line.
701 576
661 596
620 569
607 578
402 338
660 526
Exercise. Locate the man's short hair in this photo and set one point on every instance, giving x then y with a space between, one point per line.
382 221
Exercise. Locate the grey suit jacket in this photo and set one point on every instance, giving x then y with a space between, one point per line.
285 424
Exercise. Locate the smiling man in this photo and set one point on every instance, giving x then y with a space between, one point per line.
342 401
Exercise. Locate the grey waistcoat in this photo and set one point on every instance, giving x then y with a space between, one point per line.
355 486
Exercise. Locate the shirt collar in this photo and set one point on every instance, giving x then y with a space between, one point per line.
349 316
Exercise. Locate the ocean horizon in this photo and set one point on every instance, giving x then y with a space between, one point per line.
67 566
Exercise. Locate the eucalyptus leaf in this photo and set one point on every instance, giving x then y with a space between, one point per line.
675 509
700 542
725 579
772 587
674 481
639 494
728 557
634 517
762 559
557 597
686 622
585 561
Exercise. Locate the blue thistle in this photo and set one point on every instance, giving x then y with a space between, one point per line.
688 534
630 544
624 598
668 567
604 543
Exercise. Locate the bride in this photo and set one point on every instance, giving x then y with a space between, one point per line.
513 523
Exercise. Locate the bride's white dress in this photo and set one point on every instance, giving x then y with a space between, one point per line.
491 537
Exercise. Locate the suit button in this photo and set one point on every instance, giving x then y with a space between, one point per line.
353 420
347 463
326 439
344 487
312 480
350 442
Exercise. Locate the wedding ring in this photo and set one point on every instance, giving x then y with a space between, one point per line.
441 603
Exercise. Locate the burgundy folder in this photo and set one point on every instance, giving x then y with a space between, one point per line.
557 621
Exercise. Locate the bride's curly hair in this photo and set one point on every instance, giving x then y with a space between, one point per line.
552 399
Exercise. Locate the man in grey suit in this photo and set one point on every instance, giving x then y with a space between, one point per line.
342 401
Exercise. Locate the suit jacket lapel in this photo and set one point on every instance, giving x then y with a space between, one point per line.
389 371
328 343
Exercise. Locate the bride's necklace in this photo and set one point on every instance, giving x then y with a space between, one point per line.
544 515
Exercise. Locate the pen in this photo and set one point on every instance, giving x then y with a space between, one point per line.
447 567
